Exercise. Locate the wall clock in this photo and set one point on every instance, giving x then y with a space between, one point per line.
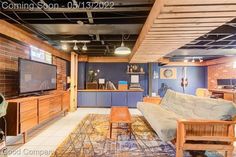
168 73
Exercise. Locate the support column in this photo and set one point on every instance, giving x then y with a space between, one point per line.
150 71
73 82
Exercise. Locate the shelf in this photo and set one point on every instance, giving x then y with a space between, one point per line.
135 73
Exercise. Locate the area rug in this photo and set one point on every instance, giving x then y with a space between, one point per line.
92 138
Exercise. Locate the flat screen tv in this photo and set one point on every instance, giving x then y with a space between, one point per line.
36 76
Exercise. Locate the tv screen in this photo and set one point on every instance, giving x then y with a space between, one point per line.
36 76
224 82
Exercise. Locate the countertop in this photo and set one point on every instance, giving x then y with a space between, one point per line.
233 91
105 90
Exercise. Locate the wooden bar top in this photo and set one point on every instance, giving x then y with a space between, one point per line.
105 90
232 91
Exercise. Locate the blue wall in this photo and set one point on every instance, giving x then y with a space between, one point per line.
117 72
197 78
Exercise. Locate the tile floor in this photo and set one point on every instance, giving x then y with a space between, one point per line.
43 140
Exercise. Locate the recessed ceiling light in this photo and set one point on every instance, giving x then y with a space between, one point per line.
185 61
193 60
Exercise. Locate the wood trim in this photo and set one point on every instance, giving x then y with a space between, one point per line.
202 14
73 81
185 64
207 147
83 58
155 11
23 36
108 59
192 20
222 60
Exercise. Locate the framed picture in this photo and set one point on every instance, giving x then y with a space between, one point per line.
168 73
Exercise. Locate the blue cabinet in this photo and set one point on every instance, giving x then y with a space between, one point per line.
119 99
104 99
133 98
87 99
109 98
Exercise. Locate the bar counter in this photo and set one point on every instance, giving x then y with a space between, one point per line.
109 98
227 94
107 90
223 91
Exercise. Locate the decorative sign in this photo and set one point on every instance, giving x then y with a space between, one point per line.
39 55
168 73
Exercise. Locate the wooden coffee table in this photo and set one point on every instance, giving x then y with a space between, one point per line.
120 115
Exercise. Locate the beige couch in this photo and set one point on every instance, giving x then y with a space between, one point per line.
190 116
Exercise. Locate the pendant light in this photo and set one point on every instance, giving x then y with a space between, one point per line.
75 47
122 50
84 48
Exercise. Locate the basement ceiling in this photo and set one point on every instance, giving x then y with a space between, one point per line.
218 43
186 24
178 29
103 27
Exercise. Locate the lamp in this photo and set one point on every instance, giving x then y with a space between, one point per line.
84 48
122 50
75 47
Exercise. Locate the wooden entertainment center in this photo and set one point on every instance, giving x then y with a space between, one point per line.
26 113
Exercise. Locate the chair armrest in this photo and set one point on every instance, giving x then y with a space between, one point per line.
205 130
205 122
153 100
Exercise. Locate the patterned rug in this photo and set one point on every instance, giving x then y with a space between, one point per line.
91 138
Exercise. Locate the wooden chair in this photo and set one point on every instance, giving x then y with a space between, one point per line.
205 135
203 92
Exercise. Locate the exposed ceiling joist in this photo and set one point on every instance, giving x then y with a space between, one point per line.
72 29
90 16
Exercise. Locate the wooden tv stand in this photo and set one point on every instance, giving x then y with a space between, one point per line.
26 113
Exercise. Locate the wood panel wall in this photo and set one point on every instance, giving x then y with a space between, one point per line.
10 51
18 34
61 73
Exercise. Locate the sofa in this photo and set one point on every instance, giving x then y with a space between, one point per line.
177 110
